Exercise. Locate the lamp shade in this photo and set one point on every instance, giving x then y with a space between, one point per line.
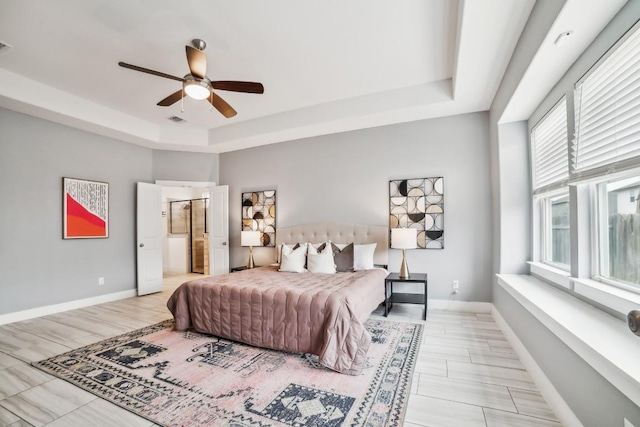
250 238
404 238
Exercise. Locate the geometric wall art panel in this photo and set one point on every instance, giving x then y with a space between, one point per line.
259 214
419 203
85 209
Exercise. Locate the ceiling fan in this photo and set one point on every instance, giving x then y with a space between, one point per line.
197 85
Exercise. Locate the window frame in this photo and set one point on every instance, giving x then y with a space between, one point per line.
545 224
543 191
600 242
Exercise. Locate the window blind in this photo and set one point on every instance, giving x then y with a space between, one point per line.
607 112
549 150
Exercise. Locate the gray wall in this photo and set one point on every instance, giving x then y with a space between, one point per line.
590 396
594 400
184 166
39 268
509 152
345 177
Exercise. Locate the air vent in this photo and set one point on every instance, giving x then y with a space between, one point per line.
176 119
4 47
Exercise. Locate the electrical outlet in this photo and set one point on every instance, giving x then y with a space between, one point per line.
100 281
456 286
627 423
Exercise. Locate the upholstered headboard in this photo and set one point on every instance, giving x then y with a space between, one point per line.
339 232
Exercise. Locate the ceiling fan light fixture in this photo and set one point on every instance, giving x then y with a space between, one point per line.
197 89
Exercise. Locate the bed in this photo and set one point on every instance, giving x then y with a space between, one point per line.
321 314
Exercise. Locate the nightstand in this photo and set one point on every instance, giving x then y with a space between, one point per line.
391 297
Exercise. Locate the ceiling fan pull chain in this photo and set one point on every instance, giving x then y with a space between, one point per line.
182 102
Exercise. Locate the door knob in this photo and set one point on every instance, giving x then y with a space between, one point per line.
224 243
142 245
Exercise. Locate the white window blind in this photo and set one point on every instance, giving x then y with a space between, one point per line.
549 147
607 112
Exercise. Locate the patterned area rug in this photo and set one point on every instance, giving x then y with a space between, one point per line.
192 379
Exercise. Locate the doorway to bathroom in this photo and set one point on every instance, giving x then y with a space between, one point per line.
188 219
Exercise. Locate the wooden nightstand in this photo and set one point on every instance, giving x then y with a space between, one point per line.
391 297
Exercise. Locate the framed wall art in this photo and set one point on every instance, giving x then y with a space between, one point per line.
85 209
419 203
259 214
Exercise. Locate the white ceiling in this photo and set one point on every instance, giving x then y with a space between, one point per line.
327 65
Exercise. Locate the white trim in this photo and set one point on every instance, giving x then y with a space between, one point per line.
198 184
548 391
65 306
553 274
615 298
600 339
465 306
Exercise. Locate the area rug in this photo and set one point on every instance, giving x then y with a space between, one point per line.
192 379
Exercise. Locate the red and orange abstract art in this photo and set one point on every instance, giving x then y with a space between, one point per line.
86 209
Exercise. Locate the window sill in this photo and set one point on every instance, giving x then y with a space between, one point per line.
603 341
552 274
612 297
617 299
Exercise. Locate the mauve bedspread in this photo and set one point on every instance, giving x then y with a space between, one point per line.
321 314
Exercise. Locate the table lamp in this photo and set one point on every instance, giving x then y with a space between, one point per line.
251 239
404 238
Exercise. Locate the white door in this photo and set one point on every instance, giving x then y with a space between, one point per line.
149 238
218 230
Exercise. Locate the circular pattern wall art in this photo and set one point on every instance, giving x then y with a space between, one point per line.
259 214
419 203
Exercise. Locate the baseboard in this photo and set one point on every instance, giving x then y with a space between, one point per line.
466 306
548 391
66 306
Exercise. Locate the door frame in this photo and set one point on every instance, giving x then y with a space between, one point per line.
198 184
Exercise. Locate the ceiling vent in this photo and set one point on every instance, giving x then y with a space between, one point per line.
4 48
176 119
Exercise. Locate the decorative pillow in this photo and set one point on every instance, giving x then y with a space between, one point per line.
316 248
363 256
279 255
322 260
343 258
293 260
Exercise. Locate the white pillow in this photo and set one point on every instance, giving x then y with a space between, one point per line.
293 260
312 248
363 256
279 250
321 262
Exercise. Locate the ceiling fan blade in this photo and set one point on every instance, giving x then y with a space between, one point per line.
197 62
233 86
172 99
222 106
148 71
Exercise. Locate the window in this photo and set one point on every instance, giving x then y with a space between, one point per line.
607 112
618 247
606 153
550 166
558 233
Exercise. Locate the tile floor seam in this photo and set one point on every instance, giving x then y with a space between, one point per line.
484 415
528 416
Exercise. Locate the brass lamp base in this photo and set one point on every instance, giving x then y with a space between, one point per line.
250 264
404 268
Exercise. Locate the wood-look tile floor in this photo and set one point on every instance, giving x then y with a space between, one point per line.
466 373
